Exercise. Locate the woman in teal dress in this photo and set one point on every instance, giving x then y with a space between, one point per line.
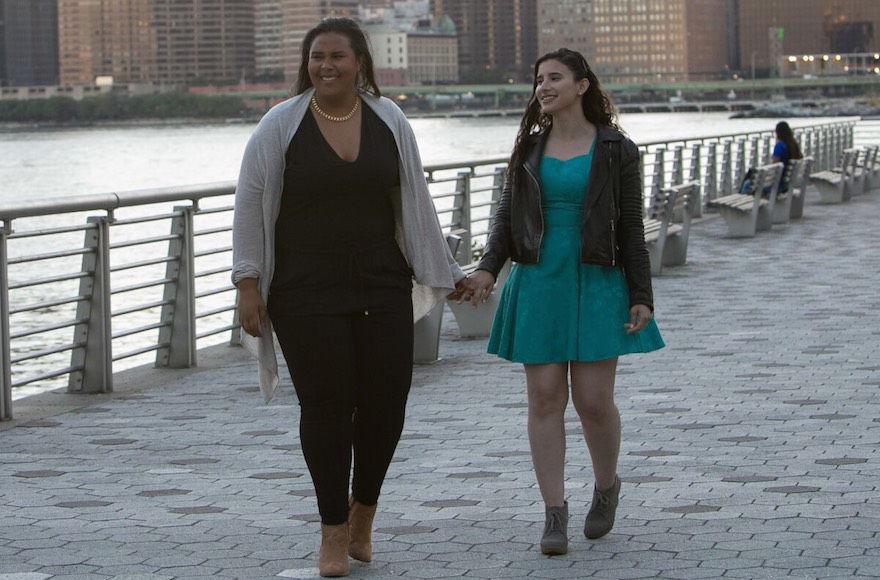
579 293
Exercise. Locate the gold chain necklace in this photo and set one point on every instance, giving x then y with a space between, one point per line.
330 117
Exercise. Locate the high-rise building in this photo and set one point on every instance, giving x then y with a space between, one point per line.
707 46
639 41
268 62
424 55
204 41
396 14
28 42
432 56
566 24
3 79
390 57
156 41
129 41
497 39
297 17
769 30
80 47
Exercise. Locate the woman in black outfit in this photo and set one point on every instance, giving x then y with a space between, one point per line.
341 297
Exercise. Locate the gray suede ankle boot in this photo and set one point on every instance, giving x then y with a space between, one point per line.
554 542
600 519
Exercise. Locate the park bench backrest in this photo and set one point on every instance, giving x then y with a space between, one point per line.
769 177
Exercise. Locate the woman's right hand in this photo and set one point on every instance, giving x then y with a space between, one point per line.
480 283
252 311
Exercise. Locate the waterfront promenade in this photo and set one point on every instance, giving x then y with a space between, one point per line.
750 446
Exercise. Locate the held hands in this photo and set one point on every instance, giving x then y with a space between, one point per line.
475 289
639 317
251 309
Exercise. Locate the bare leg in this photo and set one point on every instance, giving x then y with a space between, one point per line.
592 391
548 396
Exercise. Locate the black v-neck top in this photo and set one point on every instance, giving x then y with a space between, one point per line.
334 238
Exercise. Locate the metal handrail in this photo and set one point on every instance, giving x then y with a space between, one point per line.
113 201
465 194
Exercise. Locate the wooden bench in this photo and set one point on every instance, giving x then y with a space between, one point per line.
781 212
667 241
858 173
797 188
854 172
832 185
748 213
872 168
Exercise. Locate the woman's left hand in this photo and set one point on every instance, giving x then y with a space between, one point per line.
639 317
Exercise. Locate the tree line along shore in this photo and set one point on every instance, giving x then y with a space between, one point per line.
69 111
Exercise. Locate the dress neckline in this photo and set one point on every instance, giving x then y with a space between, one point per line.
566 160
334 153
587 154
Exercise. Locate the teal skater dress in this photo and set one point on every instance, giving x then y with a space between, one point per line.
560 309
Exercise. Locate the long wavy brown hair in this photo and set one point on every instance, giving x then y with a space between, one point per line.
595 103
366 78
786 135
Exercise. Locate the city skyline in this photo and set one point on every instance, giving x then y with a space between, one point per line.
224 42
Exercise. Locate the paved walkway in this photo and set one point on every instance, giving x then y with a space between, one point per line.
750 447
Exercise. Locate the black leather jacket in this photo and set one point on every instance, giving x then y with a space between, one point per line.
613 233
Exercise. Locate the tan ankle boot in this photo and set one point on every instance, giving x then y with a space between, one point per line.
333 556
360 521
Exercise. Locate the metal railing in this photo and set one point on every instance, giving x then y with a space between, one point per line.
158 292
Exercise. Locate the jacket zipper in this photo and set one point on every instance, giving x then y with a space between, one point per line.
613 220
540 212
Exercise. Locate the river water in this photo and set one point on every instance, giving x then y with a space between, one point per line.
44 163
60 162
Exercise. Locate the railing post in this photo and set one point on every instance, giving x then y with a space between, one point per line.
96 358
727 169
756 153
850 135
497 190
5 366
461 215
808 143
768 150
833 148
696 174
814 150
642 170
841 141
659 179
838 144
678 166
740 162
180 334
827 150
712 172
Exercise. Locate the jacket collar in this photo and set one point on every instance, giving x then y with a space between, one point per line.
538 142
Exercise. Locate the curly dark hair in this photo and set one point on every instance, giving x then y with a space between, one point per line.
595 103
349 28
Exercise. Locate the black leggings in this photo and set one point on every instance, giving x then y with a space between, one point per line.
352 375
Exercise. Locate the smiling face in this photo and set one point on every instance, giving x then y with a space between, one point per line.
333 65
556 88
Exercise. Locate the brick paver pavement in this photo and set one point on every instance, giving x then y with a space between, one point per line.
750 446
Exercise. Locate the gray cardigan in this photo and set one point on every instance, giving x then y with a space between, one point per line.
258 200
